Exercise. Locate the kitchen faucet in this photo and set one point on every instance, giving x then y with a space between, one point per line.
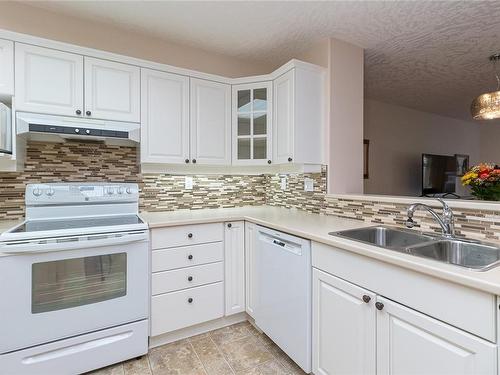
445 221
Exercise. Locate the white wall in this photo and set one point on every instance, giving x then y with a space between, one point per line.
490 142
398 136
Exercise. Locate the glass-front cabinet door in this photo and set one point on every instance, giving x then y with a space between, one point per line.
252 123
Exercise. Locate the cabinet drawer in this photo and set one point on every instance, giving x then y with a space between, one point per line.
173 311
169 281
186 235
169 259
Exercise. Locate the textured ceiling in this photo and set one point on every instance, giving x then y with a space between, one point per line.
426 55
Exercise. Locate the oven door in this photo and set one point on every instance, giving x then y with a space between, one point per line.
54 289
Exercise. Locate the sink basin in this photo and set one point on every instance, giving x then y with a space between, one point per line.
471 255
387 237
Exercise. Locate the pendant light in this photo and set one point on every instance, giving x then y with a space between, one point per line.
487 106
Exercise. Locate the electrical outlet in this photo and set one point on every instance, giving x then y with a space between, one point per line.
308 184
188 183
283 183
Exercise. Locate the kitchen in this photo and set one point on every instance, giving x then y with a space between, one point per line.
207 216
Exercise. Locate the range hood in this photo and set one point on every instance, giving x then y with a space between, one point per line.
49 128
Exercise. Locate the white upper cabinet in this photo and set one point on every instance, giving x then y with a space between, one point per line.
112 90
252 125
210 122
164 117
48 81
6 67
409 342
299 116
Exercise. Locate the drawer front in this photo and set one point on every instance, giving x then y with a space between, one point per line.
465 308
173 311
184 235
170 281
169 259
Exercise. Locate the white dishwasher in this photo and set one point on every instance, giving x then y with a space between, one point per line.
284 293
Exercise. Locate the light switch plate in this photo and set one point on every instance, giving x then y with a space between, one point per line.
308 184
188 183
283 183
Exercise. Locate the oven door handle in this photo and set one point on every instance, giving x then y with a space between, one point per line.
34 247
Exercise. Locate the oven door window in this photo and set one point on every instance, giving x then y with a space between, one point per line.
67 283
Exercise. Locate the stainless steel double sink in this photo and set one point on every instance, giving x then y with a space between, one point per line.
470 254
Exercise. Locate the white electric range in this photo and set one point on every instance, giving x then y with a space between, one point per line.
74 280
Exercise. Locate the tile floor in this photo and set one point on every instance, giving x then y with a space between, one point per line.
234 350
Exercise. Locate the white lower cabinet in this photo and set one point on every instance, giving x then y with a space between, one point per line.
358 332
234 261
409 342
250 269
343 327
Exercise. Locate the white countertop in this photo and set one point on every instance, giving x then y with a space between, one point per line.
316 228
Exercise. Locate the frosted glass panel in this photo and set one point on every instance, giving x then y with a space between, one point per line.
67 283
260 148
259 123
244 149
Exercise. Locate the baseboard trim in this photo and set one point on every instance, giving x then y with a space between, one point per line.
198 329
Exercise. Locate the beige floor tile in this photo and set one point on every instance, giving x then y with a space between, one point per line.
230 333
178 358
272 367
199 337
110 370
137 366
211 357
245 353
285 360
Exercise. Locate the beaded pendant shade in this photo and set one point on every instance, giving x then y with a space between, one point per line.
487 106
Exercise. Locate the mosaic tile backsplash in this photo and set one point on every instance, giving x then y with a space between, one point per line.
57 162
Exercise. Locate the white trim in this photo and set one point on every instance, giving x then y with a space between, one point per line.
453 203
245 170
100 54
198 329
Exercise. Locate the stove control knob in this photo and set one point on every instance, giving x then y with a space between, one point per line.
121 190
50 192
77 130
130 190
37 192
110 191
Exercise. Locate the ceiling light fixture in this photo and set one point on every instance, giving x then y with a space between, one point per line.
487 106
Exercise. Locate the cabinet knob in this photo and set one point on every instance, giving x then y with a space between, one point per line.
269 162
78 112
190 278
190 235
290 159
229 225
190 300
88 113
379 305
187 161
194 161
190 257
366 298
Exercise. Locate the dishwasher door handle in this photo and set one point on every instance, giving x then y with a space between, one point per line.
287 246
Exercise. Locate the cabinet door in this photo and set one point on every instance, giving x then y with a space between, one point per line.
48 81
164 117
252 125
112 90
6 67
409 342
250 269
234 265
344 327
283 124
210 122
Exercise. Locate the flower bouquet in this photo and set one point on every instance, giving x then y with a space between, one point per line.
484 181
